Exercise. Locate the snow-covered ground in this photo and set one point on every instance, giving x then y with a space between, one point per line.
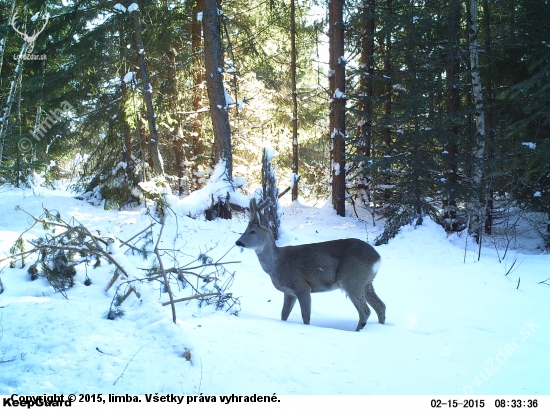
451 327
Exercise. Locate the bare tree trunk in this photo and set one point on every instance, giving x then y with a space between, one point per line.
178 139
126 127
148 97
196 44
213 63
364 182
477 92
337 67
294 100
387 95
479 112
271 191
37 121
7 110
367 75
453 107
489 119
4 38
38 116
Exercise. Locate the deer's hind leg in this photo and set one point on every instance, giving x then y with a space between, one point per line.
359 301
377 304
353 284
288 304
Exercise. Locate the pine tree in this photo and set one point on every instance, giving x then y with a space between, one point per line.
337 124
147 91
214 67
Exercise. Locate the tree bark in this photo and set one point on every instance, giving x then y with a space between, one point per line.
387 95
479 116
453 107
367 76
7 110
337 67
213 63
148 97
294 100
196 44
126 127
477 92
4 39
489 119
178 139
363 186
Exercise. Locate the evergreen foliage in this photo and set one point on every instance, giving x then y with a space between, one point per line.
410 129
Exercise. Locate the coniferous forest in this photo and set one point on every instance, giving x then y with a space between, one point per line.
402 109
395 150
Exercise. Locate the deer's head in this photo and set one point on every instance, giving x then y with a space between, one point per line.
258 233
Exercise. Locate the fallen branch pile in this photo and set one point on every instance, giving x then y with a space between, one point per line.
64 246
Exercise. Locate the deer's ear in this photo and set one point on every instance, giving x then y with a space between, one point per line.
253 210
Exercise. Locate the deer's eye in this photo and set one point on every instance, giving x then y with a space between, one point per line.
252 232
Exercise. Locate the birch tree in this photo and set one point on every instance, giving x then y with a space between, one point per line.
388 72
478 102
294 100
477 91
7 108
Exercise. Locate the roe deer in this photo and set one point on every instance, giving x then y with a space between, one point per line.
298 271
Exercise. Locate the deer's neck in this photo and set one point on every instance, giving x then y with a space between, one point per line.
268 257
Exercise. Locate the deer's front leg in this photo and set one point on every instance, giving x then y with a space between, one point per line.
305 305
290 300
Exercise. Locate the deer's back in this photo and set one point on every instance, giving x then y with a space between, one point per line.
320 264
333 249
